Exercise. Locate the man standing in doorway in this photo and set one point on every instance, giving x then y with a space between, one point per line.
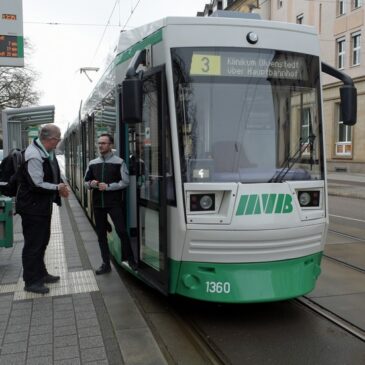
40 187
107 176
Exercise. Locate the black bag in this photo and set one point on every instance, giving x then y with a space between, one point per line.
10 172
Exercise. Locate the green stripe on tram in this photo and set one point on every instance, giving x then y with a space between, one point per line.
245 282
130 52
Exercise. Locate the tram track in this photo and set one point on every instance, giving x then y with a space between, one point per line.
217 332
334 259
201 341
219 354
356 238
324 312
214 330
176 330
343 262
218 357
332 317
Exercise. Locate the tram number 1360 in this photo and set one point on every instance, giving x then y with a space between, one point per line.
218 287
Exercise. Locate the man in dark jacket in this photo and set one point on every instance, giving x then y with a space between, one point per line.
39 188
107 176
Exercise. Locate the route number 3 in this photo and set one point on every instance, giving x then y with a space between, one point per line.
205 64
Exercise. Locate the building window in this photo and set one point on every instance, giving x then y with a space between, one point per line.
306 122
344 136
280 4
341 53
300 18
305 131
356 48
341 7
356 4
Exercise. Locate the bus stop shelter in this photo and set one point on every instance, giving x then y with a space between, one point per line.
19 124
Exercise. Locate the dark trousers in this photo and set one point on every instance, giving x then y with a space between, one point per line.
101 223
36 232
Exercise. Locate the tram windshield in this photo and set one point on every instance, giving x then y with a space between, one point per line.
248 115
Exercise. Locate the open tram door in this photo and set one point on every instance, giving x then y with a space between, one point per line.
144 103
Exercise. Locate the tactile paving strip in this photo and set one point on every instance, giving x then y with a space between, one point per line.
55 259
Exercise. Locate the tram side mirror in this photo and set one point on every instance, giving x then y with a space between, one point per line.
348 94
131 100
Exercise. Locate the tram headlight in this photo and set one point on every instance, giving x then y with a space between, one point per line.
309 198
304 199
206 202
202 202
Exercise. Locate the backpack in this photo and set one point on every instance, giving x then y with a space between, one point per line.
10 172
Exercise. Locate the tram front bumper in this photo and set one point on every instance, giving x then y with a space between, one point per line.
247 282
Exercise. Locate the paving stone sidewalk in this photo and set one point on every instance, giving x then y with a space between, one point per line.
84 319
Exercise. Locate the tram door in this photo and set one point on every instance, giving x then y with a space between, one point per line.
151 182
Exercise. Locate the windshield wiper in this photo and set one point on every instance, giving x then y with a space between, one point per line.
292 160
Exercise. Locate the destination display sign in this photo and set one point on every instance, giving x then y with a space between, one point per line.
260 65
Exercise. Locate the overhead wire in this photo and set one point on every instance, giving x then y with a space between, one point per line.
106 26
73 24
130 15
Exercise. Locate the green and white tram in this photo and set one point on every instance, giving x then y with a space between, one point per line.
220 120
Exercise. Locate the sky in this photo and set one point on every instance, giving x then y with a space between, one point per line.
67 35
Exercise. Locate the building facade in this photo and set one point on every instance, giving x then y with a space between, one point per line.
340 27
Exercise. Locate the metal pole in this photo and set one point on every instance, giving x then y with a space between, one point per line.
5 133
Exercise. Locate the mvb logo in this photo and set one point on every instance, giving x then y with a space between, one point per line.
265 204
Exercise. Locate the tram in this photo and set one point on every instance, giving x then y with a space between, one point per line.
220 122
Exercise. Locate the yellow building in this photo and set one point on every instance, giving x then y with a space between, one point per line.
340 25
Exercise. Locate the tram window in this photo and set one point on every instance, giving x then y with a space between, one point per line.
149 136
170 179
248 114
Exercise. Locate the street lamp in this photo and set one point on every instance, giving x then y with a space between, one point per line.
85 70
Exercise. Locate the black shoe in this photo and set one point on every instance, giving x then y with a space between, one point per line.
133 265
49 279
103 269
37 287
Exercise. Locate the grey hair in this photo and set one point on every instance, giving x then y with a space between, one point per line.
49 131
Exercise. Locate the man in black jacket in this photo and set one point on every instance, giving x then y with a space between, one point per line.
107 176
39 188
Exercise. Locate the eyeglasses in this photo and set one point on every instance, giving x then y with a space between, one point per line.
57 139
103 143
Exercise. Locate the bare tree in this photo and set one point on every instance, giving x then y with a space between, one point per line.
17 87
